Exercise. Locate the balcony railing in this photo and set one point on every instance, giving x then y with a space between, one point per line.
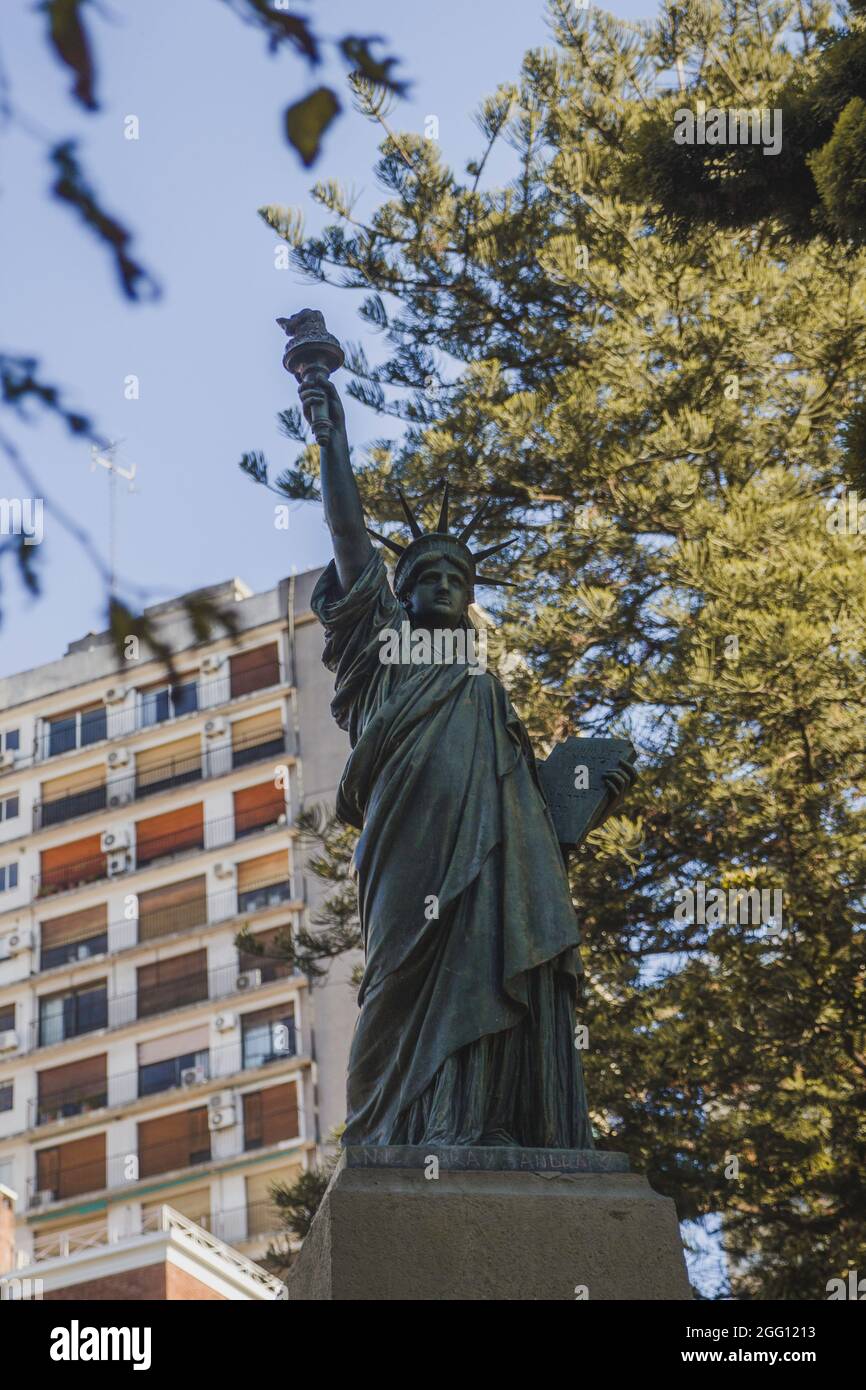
150 1161
156 923
126 1087
229 1225
211 835
211 762
118 1010
113 722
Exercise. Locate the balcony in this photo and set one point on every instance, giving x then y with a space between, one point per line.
101 1010
231 1225
212 762
191 1149
125 1088
163 706
158 849
154 924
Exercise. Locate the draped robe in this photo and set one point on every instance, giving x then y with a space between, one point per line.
465 1030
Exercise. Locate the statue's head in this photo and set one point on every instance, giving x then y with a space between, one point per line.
438 590
435 575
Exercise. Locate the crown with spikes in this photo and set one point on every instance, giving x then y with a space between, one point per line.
438 542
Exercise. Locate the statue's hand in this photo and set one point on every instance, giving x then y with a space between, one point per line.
323 411
617 781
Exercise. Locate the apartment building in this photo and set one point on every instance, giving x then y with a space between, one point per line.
144 1060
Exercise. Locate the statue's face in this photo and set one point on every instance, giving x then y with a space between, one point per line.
439 596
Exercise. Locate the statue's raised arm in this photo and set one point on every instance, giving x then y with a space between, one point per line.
311 355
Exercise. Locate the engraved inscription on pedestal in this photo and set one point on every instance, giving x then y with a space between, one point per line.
487 1159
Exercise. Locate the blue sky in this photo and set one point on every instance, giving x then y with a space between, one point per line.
208 355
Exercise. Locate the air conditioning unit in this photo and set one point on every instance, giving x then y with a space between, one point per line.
224 1023
212 663
221 1119
118 757
9 1041
214 727
192 1076
119 799
43 1198
221 1100
115 694
7 759
112 840
19 941
248 979
118 863
224 870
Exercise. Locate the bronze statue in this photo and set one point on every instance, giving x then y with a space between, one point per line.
466 1029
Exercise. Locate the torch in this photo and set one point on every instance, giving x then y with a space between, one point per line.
311 355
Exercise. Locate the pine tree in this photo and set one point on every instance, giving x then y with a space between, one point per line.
664 421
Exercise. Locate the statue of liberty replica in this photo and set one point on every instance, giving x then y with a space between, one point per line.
465 1035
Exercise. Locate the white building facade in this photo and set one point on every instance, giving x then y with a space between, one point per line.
145 819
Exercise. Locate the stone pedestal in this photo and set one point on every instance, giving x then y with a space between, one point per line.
466 1224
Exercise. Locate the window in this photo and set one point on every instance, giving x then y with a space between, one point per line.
8 876
161 1076
260 736
168 765
169 984
69 1169
77 794
270 965
268 1035
270 1116
167 702
10 741
75 936
8 807
159 837
263 882
72 1089
7 1018
254 670
176 907
258 807
65 866
74 1012
5 1095
76 730
173 1141
162 1061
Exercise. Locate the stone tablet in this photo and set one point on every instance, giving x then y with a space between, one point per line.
572 778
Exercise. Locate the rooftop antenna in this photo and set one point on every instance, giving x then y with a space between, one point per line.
104 456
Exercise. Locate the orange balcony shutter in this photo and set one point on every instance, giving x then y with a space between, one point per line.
60 787
176 907
271 1115
259 728
258 806
73 1079
165 834
168 760
271 966
74 926
254 670
80 861
169 984
172 1141
264 871
72 1168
